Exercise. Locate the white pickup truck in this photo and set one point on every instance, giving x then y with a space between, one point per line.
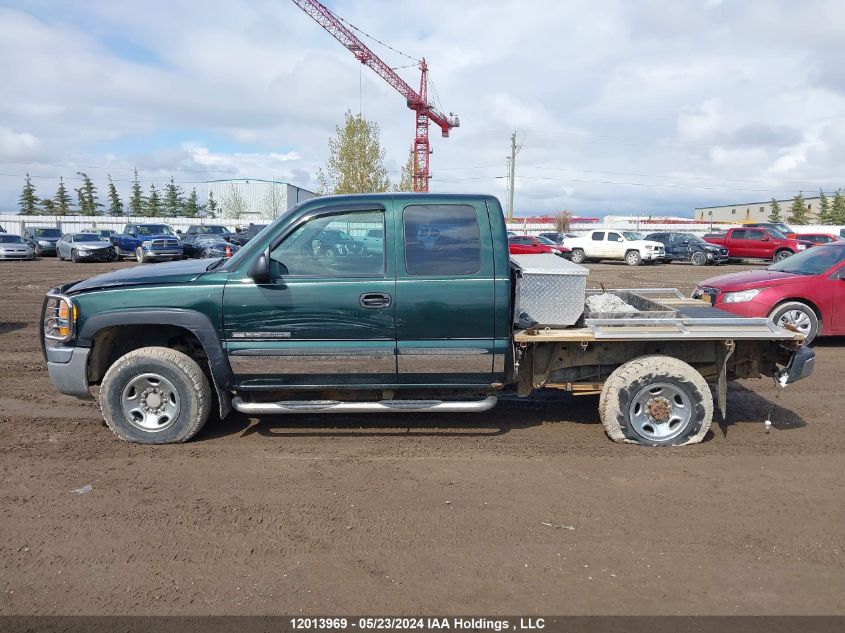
628 246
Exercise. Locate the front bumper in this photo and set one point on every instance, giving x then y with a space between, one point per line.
17 255
104 254
163 254
68 370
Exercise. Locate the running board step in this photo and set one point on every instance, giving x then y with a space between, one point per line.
384 406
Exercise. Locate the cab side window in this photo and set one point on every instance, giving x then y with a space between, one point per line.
598 236
754 235
441 239
614 237
330 246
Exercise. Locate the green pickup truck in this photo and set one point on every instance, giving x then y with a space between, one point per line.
431 319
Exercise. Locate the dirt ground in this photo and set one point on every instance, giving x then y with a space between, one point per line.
525 509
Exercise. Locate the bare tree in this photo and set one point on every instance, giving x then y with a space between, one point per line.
272 204
563 220
234 203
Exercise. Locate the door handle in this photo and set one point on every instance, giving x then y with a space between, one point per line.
375 300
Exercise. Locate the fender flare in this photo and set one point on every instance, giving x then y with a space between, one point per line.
195 322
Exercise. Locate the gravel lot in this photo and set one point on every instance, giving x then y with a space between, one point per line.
525 509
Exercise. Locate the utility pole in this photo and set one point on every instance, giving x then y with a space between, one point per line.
512 173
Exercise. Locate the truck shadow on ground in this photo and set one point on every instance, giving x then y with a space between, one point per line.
749 407
12 326
510 414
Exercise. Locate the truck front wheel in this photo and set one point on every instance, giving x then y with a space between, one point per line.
578 256
155 395
781 255
656 401
140 255
633 258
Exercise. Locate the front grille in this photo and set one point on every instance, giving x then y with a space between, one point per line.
159 244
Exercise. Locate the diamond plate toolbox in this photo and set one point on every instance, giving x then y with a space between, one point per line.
549 289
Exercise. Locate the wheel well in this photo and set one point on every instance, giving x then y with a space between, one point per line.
111 343
784 249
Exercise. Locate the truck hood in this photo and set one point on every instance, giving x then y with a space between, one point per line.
750 279
165 273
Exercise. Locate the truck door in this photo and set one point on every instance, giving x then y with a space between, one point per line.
445 294
614 246
736 243
327 315
756 244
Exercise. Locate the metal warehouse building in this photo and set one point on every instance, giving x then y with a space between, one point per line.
751 211
253 200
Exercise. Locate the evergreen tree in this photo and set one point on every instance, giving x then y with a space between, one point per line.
153 203
191 206
115 203
172 198
824 209
356 159
62 199
837 209
28 200
87 194
798 210
212 204
48 206
137 204
775 213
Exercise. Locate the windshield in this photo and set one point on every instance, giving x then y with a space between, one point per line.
205 230
776 234
633 235
814 261
546 241
47 232
154 229
86 237
10 239
210 238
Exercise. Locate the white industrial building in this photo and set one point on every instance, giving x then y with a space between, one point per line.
752 211
248 200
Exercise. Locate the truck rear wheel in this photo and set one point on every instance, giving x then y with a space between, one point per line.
633 258
155 395
656 401
578 256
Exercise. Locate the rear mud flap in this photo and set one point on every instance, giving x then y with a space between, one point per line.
722 355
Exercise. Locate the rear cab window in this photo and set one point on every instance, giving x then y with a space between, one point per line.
597 236
441 239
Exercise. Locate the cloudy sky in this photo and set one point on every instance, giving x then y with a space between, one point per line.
619 107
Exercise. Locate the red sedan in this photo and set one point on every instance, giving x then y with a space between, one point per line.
805 292
527 245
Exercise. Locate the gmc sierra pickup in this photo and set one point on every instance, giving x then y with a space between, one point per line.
426 324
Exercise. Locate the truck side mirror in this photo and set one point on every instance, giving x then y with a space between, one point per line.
765 238
259 270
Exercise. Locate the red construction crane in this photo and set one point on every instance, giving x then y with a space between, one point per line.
417 101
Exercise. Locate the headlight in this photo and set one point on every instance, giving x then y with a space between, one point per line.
802 247
147 244
742 296
59 318
43 243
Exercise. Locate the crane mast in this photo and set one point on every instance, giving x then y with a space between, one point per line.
417 101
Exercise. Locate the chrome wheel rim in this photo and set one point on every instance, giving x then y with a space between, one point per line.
150 402
632 259
798 319
660 411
